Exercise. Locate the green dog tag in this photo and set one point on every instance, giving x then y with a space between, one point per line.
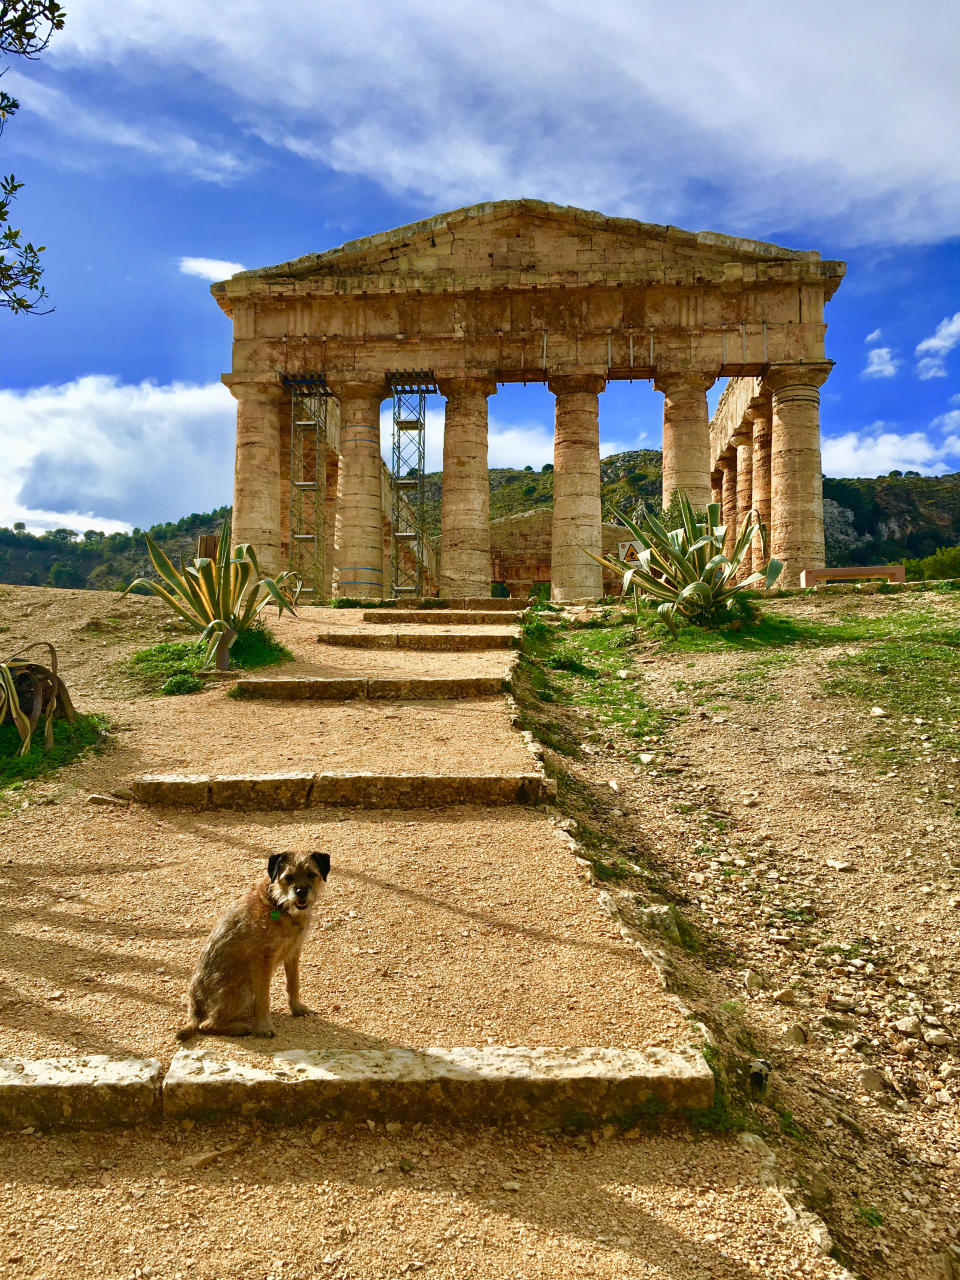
275 915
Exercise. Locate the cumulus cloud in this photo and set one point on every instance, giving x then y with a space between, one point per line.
876 450
932 352
881 363
97 453
161 142
873 337
553 100
210 268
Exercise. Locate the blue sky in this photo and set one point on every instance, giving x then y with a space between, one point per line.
155 136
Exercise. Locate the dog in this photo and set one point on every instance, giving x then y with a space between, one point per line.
230 989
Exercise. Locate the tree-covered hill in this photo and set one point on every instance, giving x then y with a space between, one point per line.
889 519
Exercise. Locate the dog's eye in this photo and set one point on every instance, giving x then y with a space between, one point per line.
286 879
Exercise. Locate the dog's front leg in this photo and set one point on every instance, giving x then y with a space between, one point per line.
262 1026
292 969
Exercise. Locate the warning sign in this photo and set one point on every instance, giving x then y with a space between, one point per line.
629 552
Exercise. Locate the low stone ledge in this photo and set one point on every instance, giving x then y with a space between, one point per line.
450 643
451 617
420 687
491 1085
302 687
363 790
261 791
172 788
426 790
94 1092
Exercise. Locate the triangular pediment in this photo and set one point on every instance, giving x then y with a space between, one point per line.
528 237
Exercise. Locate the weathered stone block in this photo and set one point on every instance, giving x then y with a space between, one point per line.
92 1092
425 790
490 1085
172 788
261 791
301 687
435 687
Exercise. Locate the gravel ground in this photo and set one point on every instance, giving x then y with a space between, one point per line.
450 927
454 927
358 1205
240 735
836 886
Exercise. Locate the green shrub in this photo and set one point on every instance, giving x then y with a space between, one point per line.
70 740
182 683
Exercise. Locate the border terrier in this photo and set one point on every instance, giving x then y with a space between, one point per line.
230 988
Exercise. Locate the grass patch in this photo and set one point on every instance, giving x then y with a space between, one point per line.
69 742
172 667
866 1213
913 679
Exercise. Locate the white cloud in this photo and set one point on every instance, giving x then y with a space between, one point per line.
949 421
931 353
881 363
159 141
210 268
96 453
565 102
873 337
876 450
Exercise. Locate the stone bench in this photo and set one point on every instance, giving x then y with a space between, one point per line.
890 572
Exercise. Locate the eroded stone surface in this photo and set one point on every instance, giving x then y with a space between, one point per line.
92 1092
469 1085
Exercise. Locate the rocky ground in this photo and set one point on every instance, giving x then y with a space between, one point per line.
825 890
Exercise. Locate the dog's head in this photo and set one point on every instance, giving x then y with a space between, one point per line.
296 879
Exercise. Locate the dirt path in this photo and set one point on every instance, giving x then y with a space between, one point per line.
834 883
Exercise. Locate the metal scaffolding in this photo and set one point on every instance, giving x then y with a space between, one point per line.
309 397
408 558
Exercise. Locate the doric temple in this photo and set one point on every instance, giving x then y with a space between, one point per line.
525 291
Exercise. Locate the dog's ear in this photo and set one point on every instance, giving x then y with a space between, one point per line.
322 861
274 864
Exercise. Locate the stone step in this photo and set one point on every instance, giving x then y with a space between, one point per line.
489 604
381 688
364 790
557 1088
449 617
492 1085
92 1092
451 643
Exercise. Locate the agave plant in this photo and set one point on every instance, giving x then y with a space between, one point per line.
686 569
31 690
219 597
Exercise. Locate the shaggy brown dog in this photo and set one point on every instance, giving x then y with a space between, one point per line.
230 989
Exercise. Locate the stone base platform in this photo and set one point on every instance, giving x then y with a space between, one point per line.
452 642
377 688
364 790
451 617
492 1085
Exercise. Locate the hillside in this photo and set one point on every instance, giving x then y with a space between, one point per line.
868 521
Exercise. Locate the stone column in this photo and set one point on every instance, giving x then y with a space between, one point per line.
796 481
745 488
728 500
360 554
576 488
716 486
330 501
257 475
759 415
686 435
465 498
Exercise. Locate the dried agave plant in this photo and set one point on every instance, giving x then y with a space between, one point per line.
31 692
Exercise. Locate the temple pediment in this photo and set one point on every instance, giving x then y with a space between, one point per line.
530 242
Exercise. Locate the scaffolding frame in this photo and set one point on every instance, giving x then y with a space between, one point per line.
309 398
409 455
